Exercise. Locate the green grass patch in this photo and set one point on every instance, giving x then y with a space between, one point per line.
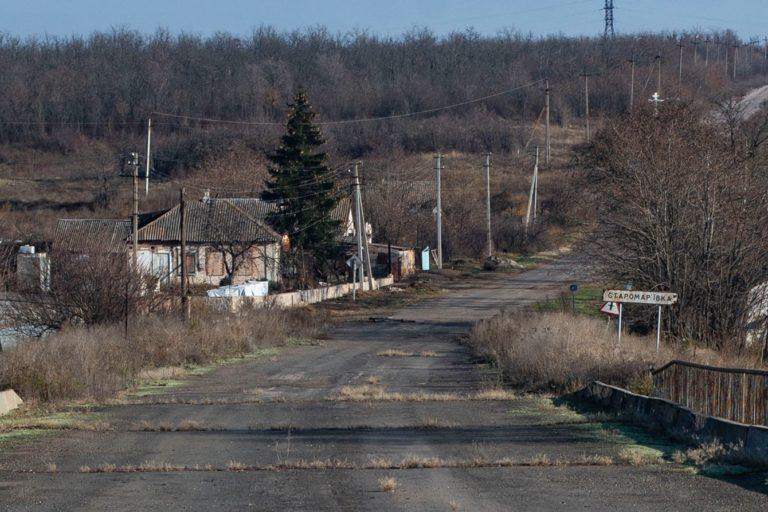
586 301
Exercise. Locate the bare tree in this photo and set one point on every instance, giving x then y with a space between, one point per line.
684 205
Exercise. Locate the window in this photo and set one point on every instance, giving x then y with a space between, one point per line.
214 263
190 260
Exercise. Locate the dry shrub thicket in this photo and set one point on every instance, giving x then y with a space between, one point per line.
98 361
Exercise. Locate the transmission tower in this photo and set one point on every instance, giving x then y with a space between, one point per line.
608 19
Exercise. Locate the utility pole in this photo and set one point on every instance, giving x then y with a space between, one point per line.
183 253
608 31
735 57
546 125
359 223
632 84
134 162
530 214
680 69
695 44
487 168
706 53
371 282
149 159
726 58
586 100
658 78
439 210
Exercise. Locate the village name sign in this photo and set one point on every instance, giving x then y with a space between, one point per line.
638 297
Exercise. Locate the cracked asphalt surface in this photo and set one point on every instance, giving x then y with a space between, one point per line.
268 412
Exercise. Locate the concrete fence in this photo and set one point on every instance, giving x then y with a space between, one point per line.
731 393
678 421
285 300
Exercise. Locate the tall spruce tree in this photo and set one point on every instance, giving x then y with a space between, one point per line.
305 191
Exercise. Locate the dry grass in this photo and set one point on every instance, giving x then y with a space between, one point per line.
366 393
712 453
635 457
51 468
98 362
374 379
561 352
631 457
388 484
390 352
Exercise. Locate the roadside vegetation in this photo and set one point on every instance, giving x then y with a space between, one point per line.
561 352
97 362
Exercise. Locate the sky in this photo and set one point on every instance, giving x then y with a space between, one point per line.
388 17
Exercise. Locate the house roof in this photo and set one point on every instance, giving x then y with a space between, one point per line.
91 234
207 221
213 220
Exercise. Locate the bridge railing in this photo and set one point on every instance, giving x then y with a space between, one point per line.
735 394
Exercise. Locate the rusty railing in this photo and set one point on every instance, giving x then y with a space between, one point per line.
732 393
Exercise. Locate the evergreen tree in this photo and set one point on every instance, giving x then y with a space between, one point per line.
304 189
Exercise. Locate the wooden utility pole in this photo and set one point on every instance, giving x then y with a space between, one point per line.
183 253
546 125
135 216
680 68
487 168
658 77
149 159
632 84
439 210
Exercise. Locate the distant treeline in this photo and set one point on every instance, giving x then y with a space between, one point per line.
106 85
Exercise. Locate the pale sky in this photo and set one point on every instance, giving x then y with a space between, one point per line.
749 18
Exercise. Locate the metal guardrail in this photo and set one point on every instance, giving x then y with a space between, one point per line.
736 394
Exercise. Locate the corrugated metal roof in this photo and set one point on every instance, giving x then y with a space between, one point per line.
213 220
91 234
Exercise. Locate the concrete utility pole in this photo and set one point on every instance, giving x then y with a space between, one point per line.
680 69
632 84
134 162
695 44
371 282
706 53
439 210
183 253
149 159
487 168
546 125
586 100
359 223
530 214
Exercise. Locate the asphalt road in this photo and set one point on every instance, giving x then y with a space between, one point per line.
277 421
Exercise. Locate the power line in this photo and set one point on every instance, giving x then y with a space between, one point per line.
358 120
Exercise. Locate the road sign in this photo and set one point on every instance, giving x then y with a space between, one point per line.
639 297
610 309
354 261
574 288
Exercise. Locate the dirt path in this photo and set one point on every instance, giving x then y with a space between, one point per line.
273 434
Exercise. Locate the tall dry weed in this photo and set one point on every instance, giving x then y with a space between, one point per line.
562 352
98 361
